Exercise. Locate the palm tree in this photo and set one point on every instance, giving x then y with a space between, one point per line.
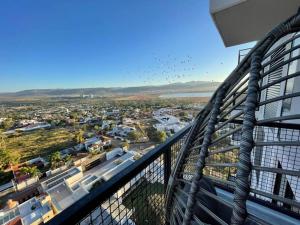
33 171
55 159
79 136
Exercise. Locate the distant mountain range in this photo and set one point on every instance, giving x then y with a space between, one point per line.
192 86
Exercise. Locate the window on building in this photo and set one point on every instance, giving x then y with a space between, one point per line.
289 87
293 67
274 90
295 43
287 103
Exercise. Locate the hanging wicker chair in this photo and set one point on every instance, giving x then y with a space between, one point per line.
242 155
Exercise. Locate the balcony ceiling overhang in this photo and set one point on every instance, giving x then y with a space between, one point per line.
242 21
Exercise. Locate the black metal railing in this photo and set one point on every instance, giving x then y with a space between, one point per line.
134 196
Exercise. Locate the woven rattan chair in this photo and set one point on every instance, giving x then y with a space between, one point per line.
242 155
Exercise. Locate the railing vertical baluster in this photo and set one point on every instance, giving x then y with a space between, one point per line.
167 166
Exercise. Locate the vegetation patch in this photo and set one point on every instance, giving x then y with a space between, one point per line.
39 143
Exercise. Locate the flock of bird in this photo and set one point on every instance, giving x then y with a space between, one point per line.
168 70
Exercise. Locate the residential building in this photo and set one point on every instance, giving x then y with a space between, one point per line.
35 211
168 122
68 177
121 130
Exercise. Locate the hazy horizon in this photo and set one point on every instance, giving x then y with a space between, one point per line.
109 87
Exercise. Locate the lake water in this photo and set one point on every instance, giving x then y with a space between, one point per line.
187 94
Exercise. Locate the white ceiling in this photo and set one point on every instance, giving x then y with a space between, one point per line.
242 21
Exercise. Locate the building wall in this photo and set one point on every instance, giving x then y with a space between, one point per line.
74 178
26 183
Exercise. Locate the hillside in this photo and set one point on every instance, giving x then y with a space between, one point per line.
192 86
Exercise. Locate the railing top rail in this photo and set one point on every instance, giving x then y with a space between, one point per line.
85 205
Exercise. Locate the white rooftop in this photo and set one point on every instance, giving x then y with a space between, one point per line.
32 210
110 167
60 178
117 169
62 196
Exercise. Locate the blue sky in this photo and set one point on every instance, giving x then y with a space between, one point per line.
97 43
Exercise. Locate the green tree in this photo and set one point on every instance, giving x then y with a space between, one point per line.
79 137
150 132
125 145
53 123
133 135
33 171
74 115
97 128
161 136
55 159
155 135
4 158
183 114
6 124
